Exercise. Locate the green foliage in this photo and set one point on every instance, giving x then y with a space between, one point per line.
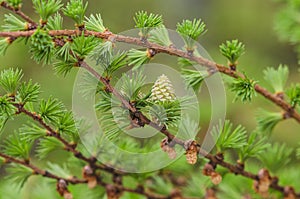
75 9
103 54
160 185
7 109
4 43
58 170
82 191
87 86
108 60
82 46
41 190
45 8
41 46
233 187
298 152
62 67
55 22
243 88
183 62
131 84
18 174
193 78
128 195
104 103
166 113
294 95
160 36
137 58
10 80
196 186
66 124
28 92
276 157
48 145
118 61
267 120
65 52
31 132
94 23
73 50
188 127
16 146
255 146
227 138
12 23
113 118
190 31
51 110
3 120
286 23
145 22
277 78
15 3
232 50
161 106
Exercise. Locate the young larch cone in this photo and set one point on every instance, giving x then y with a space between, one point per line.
191 152
216 178
165 146
210 194
62 189
88 174
162 90
289 193
113 192
208 169
262 185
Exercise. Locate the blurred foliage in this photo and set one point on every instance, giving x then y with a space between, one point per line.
253 26
287 22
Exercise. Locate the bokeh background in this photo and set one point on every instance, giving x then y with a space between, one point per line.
252 22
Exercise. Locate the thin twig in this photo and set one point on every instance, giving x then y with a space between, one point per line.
212 66
38 171
67 146
20 13
217 161
176 52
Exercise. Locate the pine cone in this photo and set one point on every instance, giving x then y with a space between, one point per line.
162 90
191 152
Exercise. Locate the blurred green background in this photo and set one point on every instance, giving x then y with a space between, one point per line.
251 22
